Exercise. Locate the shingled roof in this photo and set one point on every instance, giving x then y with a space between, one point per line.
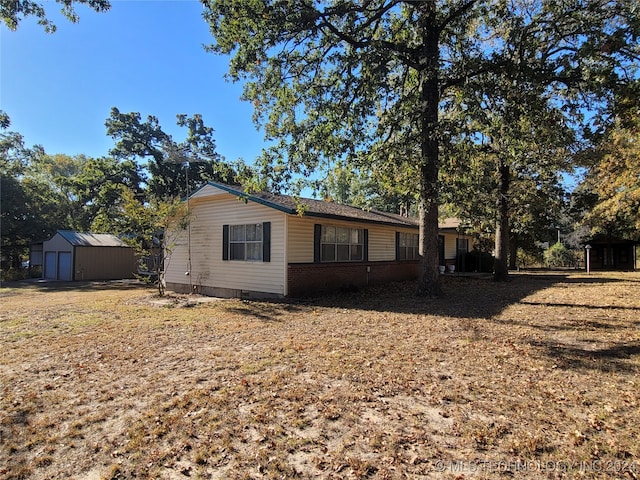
318 208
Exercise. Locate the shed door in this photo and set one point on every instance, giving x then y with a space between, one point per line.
50 265
64 266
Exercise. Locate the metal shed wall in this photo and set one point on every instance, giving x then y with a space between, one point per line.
104 263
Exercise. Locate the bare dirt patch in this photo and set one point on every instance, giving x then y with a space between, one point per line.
537 378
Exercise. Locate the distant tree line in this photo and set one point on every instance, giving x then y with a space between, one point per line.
146 171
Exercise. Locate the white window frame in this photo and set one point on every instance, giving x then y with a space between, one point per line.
408 246
238 236
344 240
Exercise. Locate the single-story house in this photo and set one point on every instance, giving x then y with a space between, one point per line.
263 244
76 256
613 254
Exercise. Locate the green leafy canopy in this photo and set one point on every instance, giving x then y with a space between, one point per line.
365 82
12 12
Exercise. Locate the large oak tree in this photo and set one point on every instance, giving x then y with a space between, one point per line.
347 80
175 168
329 80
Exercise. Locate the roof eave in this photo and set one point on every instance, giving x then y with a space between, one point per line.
247 196
291 211
359 220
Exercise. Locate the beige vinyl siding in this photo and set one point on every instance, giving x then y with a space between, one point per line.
382 243
209 191
210 210
300 239
450 245
176 256
382 238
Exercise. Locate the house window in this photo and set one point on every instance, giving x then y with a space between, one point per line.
341 244
249 242
462 246
407 246
245 242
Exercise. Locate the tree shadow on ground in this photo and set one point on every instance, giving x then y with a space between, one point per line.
570 305
264 311
62 286
570 335
576 357
463 297
572 343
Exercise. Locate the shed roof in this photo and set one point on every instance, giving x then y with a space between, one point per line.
318 208
606 240
79 239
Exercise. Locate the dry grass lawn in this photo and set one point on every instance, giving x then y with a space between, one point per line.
536 379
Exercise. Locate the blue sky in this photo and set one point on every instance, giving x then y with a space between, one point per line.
143 56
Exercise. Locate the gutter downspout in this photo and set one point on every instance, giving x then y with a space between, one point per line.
285 284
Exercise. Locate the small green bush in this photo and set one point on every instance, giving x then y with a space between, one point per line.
530 258
559 256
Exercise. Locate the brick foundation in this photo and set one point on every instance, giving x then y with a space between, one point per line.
309 278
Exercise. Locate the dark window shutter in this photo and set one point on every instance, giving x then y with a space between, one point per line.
317 235
225 242
266 242
397 245
365 247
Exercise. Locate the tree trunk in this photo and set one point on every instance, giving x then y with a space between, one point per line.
500 269
429 276
513 252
